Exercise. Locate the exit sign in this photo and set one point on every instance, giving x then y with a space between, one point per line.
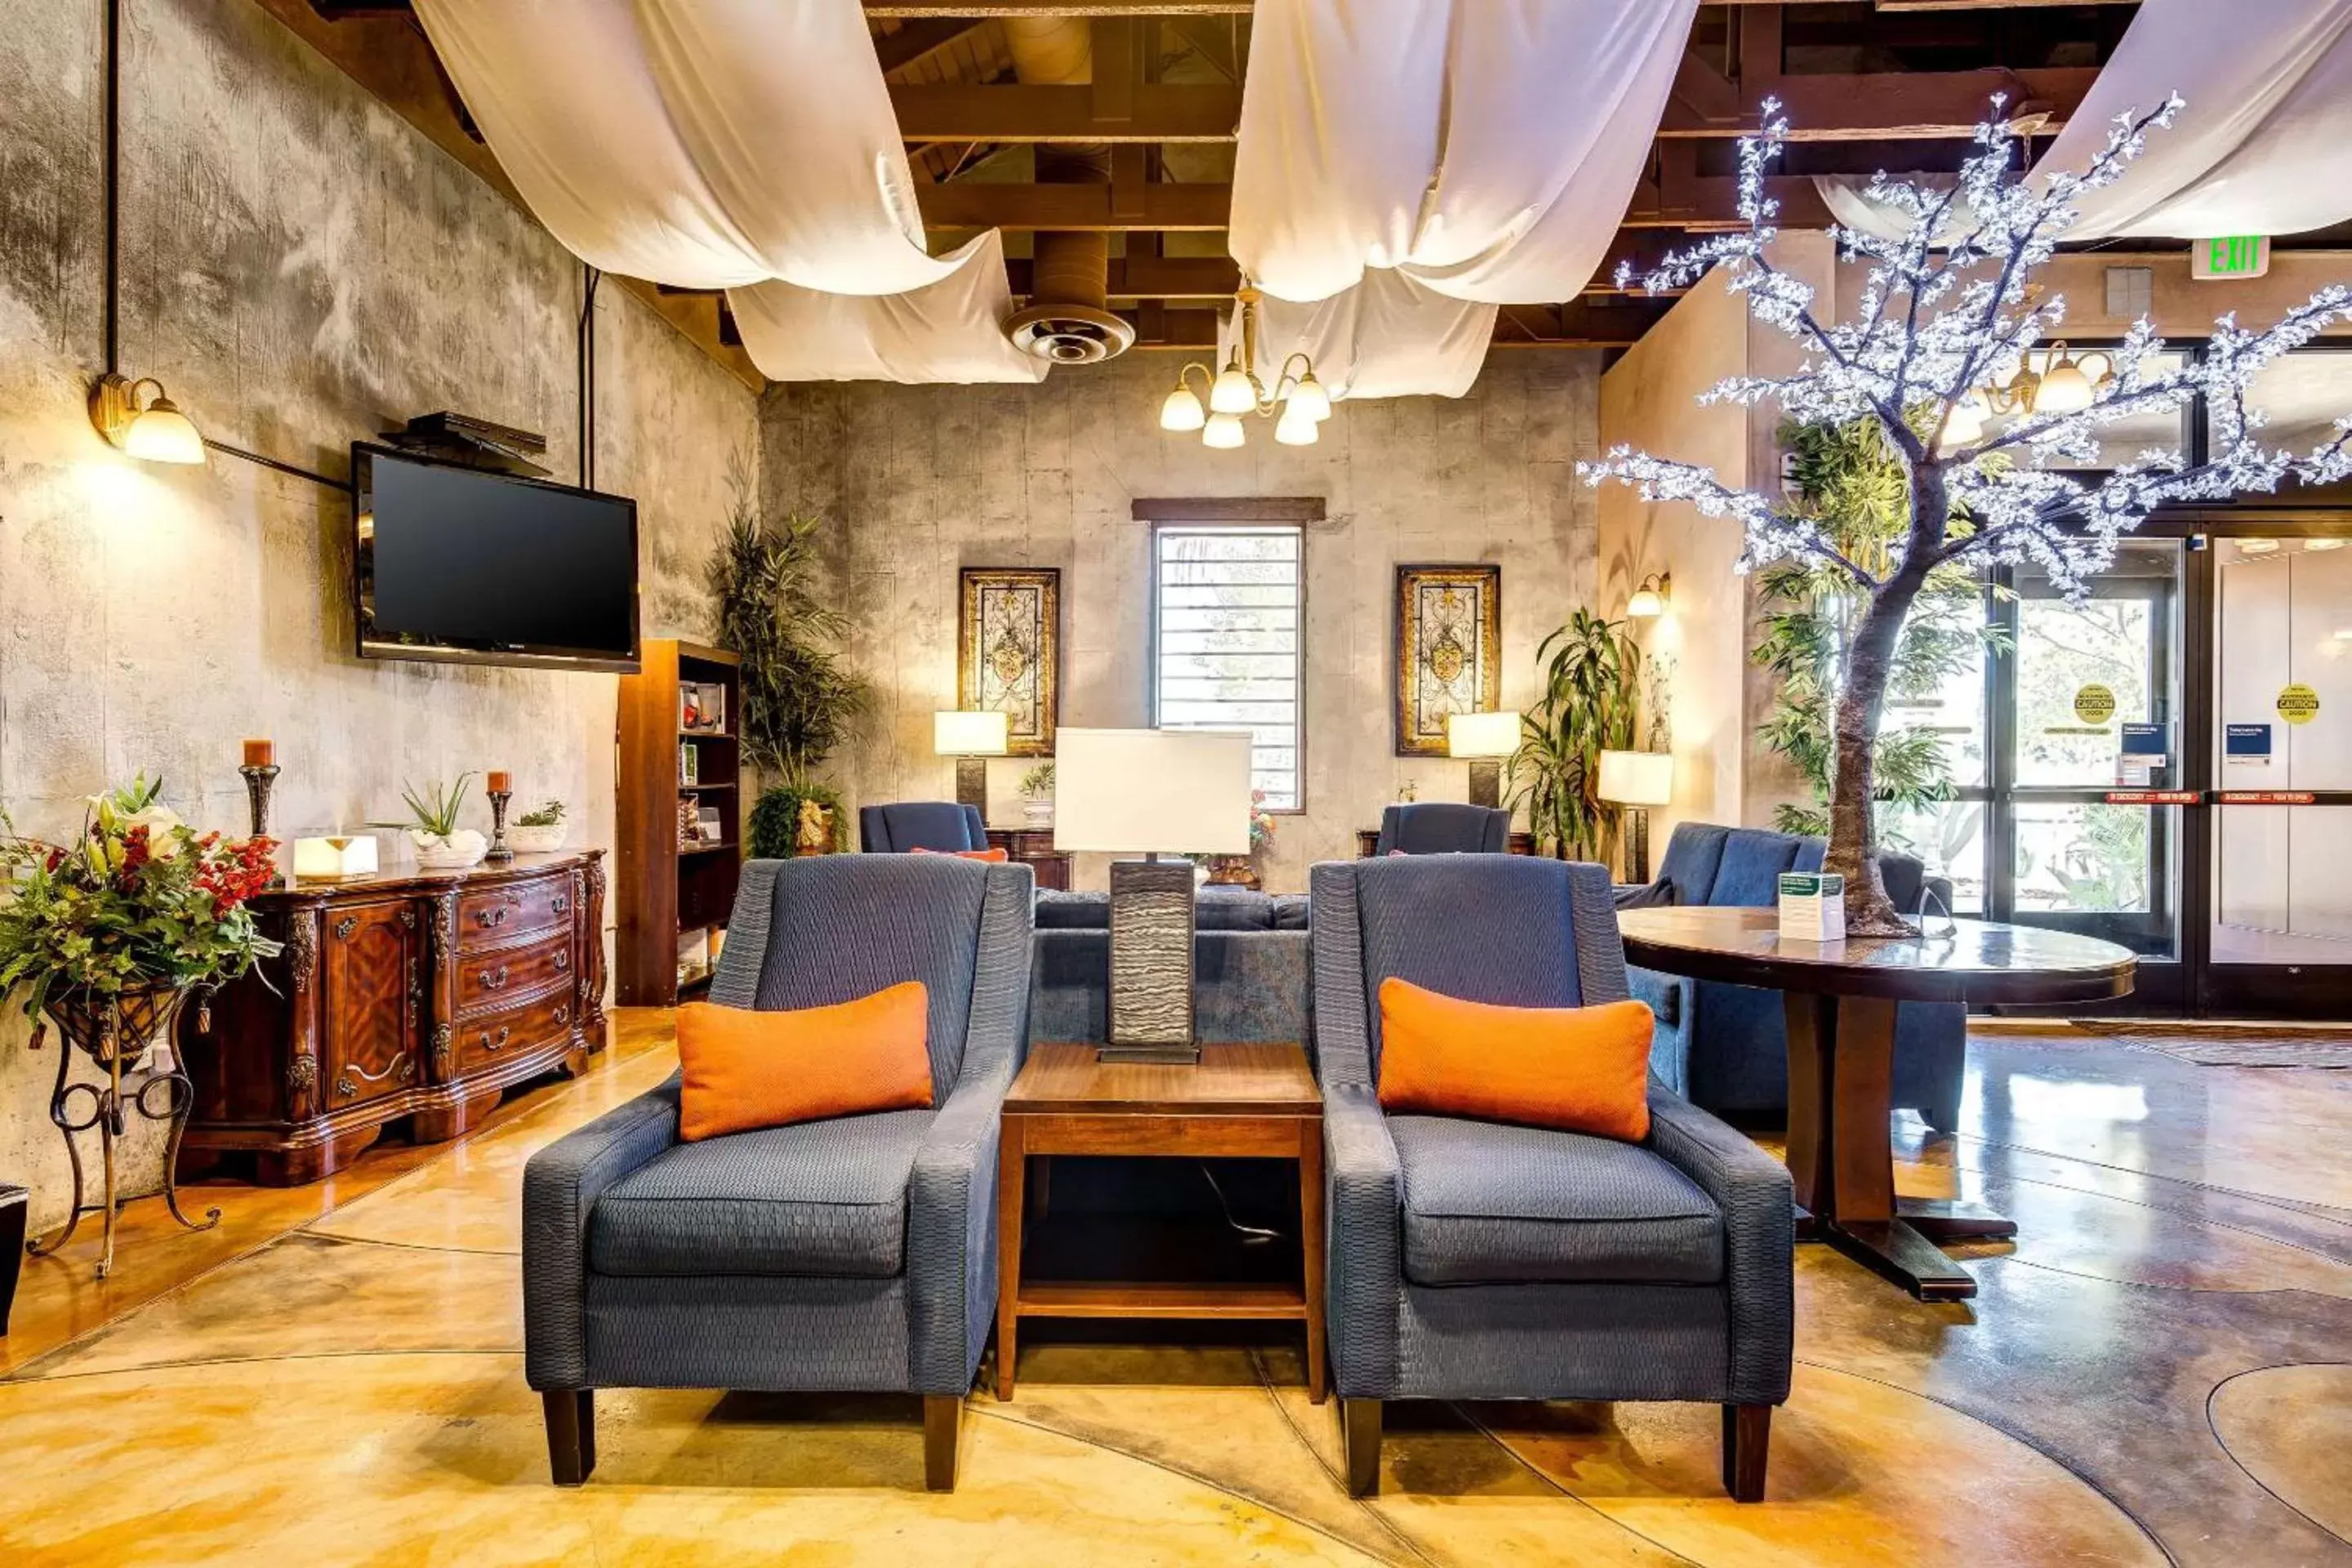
2231 256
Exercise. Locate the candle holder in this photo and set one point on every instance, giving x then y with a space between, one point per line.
500 851
257 780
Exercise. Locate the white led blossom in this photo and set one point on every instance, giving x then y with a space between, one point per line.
1946 309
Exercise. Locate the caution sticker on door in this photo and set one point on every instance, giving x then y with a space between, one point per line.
2298 703
2094 703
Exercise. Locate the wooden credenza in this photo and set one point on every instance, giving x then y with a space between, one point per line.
1367 842
1033 847
411 995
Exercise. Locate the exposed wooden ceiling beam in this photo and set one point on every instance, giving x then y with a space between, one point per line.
1874 106
1158 113
923 36
1115 207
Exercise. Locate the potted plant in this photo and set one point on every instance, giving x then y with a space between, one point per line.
782 823
109 936
1592 686
440 844
799 695
1037 795
540 831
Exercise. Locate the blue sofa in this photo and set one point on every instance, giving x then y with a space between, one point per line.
1473 1259
1442 827
1726 1048
910 825
854 1254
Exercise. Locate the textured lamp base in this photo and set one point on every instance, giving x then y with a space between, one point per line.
1637 843
1151 962
1487 785
972 784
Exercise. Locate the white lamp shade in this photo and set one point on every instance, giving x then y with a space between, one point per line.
1169 792
1309 398
1223 432
164 435
1481 734
1183 411
969 733
1232 393
1637 778
2063 390
1296 428
1645 604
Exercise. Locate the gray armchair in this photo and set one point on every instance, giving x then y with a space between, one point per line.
856 1253
1477 1260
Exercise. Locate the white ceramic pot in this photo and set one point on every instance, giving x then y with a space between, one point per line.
1039 813
460 849
543 841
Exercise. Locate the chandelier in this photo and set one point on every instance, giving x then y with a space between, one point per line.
2060 387
1236 391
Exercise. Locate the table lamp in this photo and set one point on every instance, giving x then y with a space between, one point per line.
1638 780
1157 791
1485 739
972 736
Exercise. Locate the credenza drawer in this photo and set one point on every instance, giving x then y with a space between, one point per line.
492 1037
489 916
487 982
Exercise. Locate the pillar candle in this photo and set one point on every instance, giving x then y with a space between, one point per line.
259 753
501 782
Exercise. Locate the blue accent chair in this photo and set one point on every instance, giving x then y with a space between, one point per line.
912 825
1442 827
1727 1047
855 1253
1478 1260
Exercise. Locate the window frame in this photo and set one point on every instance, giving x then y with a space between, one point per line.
1295 514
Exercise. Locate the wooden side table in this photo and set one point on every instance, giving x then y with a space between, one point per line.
1253 1100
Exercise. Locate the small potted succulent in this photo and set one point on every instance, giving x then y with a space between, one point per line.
1037 795
540 831
440 844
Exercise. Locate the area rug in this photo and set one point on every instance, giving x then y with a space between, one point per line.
2232 1045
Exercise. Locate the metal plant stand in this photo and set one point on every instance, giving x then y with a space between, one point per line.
113 1034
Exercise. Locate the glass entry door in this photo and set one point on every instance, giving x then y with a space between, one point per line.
2279 934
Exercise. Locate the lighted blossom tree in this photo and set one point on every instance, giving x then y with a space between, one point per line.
1950 307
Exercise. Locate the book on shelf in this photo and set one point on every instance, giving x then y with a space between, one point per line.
707 825
690 764
701 707
694 955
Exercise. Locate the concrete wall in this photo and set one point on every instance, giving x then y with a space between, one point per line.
921 481
300 268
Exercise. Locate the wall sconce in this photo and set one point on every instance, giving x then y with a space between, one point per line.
1651 599
156 431
1484 739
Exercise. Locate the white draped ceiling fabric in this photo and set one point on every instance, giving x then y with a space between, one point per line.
1465 153
736 144
2263 144
1388 336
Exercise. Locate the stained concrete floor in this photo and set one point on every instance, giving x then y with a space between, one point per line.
2161 1370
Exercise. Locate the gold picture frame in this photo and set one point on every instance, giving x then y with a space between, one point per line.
1449 650
1009 652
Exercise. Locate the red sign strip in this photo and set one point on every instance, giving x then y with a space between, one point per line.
2263 798
2154 797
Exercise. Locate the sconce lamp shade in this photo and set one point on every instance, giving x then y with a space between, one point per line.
1482 735
1163 792
156 431
1650 599
965 733
1637 778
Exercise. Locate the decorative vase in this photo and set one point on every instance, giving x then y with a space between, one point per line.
541 840
452 853
1038 813
127 1033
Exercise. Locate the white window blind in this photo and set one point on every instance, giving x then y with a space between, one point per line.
1228 618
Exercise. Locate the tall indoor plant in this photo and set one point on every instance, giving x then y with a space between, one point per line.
1592 684
1947 317
799 696
1849 480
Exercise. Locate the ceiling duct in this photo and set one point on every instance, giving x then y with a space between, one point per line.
1068 319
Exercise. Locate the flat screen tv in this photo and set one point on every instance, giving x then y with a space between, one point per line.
460 563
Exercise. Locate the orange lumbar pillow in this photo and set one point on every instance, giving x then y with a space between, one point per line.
1580 1069
994 856
742 1069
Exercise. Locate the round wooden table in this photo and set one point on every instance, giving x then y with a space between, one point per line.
1840 998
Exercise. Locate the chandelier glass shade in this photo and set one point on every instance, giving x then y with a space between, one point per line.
1228 395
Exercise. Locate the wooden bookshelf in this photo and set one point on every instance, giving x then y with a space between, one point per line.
667 889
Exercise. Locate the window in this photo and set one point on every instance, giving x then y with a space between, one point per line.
1228 611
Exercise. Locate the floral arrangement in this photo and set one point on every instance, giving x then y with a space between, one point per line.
139 901
1261 824
1038 781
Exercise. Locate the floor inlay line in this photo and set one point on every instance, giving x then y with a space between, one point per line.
1524 1462
2214 1395
1364 1505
